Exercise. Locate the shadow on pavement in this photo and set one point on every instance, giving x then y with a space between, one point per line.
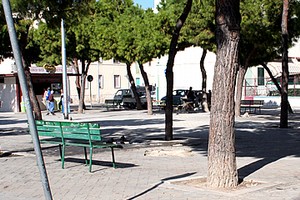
161 182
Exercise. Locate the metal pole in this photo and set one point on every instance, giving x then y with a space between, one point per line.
22 79
91 94
64 74
98 86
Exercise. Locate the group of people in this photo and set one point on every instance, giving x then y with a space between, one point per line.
49 98
50 103
192 99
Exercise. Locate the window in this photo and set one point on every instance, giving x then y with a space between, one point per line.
101 82
1 79
138 81
260 76
117 81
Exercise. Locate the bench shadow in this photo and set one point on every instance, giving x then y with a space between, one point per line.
101 163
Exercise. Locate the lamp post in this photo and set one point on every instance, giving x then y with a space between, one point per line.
64 72
24 87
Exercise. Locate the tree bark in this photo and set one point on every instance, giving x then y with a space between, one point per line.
82 88
147 88
204 102
239 87
285 70
240 81
222 170
133 87
33 99
169 71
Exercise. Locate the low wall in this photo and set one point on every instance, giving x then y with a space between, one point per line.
274 101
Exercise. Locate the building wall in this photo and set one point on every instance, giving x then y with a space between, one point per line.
186 70
103 74
8 95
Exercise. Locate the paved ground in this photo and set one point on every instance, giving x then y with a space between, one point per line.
267 159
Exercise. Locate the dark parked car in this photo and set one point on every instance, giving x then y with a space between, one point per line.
127 100
179 95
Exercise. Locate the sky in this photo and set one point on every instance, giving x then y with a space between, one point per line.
145 3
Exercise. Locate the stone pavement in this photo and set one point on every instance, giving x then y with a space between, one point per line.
148 167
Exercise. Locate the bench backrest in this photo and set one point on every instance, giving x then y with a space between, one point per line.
50 129
69 130
83 131
252 102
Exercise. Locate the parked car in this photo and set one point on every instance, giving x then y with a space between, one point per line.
179 95
125 98
177 98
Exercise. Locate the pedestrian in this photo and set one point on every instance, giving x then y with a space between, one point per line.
47 93
191 95
61 102
51 103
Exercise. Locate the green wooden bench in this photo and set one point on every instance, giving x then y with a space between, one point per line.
86 135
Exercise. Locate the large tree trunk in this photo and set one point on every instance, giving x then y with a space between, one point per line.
169 71
204 102
240 81
147 88
133 87
285 69
84 72
222 170
239 87
33 99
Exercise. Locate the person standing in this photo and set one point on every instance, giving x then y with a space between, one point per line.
61 102
47 93
51 103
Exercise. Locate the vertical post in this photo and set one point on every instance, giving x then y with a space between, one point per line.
91 93
23 83
99 82
64 74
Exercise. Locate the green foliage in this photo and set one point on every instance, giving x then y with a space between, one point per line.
79 29
49 40
5 48
261 29
199 26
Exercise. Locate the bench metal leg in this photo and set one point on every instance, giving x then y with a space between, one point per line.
113 157
63 157
91 159
85 155
60 154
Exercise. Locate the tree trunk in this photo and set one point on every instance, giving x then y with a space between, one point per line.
82 88
240 81
276 84
285 70
33 99
77 81
239 87
169 71
204 102
133 87
222 170
147 88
